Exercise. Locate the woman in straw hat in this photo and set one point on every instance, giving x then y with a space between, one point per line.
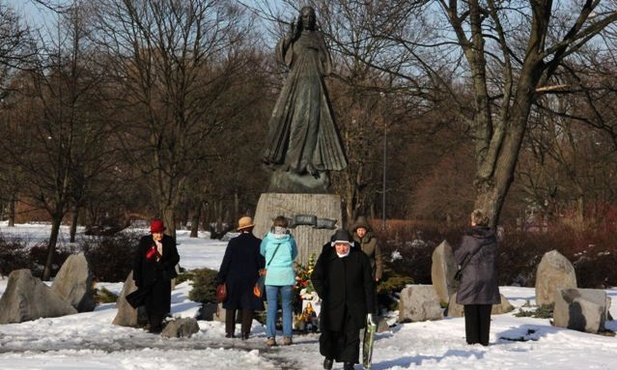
239 271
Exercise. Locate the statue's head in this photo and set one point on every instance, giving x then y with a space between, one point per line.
308 18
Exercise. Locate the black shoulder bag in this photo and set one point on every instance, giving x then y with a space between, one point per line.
465 262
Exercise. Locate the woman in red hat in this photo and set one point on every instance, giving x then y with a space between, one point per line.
153 269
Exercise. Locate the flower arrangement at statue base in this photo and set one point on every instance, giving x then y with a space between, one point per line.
303 286
307 321
306 301
312 299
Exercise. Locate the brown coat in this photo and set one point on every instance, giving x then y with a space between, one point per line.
369 246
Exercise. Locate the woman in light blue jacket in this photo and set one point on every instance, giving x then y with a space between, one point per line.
279 250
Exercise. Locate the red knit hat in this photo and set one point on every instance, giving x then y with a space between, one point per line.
157 226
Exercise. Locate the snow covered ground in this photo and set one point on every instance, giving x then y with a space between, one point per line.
90 341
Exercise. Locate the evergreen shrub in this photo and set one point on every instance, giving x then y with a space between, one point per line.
203 286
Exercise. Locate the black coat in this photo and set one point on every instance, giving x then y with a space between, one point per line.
155 276
240 271
479 280
344 284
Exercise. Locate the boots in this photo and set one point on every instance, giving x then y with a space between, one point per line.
156 324
327 363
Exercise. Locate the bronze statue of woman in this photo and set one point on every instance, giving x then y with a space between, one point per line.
303 138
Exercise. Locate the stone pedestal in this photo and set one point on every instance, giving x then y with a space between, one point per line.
314 218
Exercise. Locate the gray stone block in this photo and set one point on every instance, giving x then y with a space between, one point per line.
74 283
127 315
554 272
28 298
584 310
419 303
181 328
443 268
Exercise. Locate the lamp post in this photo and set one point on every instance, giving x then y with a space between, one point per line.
383 197
385 145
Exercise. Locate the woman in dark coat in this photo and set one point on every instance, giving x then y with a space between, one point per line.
479 287
153 269
343 279
240 271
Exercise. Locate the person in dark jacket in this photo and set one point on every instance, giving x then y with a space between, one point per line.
364 237
240 271
153 269
342 277
479 287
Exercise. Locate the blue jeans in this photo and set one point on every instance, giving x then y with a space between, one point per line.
272 292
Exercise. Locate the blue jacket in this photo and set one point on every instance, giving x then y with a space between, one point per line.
280 265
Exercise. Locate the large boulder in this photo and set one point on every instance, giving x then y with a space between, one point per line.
443 269
28 298
127 315
74 283
554 272
419 303
180 328
584 310
457 310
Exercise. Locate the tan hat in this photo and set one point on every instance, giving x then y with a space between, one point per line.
245 223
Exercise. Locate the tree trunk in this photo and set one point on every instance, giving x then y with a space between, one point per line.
169 218
495 171
195 221
236 203
12 206
74 219
51 246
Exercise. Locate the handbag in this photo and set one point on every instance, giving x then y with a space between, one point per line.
138 297
259 290
221 293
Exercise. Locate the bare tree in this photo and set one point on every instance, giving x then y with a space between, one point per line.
512 55
173 61
508 54
16 52
59 142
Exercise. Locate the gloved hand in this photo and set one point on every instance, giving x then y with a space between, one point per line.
151 253
369 319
